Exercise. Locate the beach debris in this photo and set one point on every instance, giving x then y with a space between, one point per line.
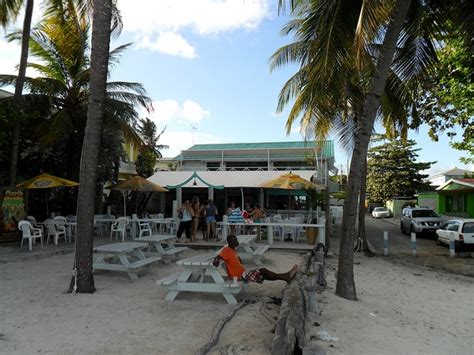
325 336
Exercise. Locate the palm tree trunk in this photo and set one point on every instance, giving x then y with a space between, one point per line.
20 80
90 148
362 211
345 286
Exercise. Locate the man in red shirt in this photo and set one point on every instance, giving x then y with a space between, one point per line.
236 269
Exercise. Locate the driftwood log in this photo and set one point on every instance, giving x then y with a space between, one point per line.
299 303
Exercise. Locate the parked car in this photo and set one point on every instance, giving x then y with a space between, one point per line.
380 212
461 230
419 220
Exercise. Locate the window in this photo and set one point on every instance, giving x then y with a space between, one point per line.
453 226
455 203
468 227
424 213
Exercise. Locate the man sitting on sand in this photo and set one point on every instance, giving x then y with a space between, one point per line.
235 268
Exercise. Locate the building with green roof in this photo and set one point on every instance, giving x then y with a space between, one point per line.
234 172
297 155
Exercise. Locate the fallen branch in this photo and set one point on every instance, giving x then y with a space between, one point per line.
218 329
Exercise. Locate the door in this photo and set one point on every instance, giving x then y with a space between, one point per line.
468 232
453 231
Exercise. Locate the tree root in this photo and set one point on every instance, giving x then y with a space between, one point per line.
218 329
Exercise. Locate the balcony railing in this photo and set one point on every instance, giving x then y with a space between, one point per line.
246 168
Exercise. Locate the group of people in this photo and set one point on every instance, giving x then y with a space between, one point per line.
248 215
192 215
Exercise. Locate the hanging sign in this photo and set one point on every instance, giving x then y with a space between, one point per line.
12 210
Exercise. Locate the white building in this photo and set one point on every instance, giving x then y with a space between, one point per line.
441 178
234 171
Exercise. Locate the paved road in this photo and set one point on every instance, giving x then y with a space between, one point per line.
398 242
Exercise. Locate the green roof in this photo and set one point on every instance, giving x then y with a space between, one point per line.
327 147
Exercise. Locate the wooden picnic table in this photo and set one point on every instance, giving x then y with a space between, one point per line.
248 249
200 275
161 245
119 257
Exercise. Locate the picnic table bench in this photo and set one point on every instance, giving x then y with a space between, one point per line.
200 275
249 249
155 246
120 257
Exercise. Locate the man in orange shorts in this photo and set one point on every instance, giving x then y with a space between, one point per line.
236 269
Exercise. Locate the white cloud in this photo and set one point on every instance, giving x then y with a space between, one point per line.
10 57
169 43
168 18
296 130
202 16
167 110
182 140
193 112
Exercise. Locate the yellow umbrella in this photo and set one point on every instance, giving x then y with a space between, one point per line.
46 181
136 183
290 182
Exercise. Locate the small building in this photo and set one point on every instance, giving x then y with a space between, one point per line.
456 198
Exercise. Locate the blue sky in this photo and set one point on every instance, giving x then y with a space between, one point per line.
205 65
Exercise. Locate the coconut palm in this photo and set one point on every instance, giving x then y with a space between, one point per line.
84 281
380 47
61 43
9 10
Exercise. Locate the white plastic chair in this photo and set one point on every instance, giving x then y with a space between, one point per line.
30 233
119 227
60 223
54 231
277 230
145 229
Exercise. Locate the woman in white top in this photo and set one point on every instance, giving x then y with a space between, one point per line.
187 214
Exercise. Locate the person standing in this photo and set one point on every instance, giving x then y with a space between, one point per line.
235 216
210 215
186 221
195 206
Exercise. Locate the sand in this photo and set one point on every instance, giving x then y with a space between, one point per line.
125 316
402 309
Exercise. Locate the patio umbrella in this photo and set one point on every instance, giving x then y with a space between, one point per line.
46 181
290 182
136 183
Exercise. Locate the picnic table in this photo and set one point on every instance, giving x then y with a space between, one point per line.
156 248
200 275
248 249
120 257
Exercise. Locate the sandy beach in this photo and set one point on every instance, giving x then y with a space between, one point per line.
126 316
401 309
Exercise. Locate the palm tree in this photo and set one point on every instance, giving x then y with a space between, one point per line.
9 10
344 45
96 109
61 43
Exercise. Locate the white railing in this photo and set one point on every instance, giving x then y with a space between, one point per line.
271 225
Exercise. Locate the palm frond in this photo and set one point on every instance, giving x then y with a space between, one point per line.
9 10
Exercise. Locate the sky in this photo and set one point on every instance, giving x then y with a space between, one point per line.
205 64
